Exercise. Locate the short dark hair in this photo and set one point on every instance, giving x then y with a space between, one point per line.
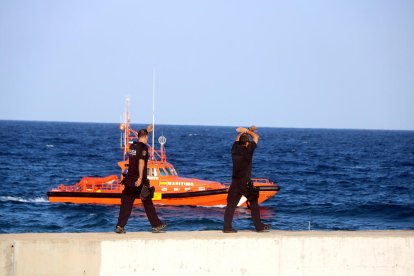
142 132
244 138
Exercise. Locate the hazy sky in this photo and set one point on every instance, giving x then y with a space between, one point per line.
319 64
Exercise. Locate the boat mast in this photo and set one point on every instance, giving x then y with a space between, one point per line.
126 128
153 112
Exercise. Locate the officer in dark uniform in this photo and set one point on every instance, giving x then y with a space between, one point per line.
241 185
137 184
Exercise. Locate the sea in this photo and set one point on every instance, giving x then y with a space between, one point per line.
330 179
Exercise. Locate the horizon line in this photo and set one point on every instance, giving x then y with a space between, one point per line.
207 125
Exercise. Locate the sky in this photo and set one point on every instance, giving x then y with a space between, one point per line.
296 64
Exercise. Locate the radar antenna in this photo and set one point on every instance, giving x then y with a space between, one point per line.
153 112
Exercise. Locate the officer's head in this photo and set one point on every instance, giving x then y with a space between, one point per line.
244 139
143 135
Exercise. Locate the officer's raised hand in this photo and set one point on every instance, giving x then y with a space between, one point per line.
241 130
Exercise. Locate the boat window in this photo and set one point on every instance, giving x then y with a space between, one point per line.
154 172
169 172
173 171
148 172
162 172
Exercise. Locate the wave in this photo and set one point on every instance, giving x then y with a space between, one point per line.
213 206
22 199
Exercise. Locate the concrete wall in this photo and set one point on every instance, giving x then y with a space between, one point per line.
209 253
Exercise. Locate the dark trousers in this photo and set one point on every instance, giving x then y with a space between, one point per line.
128 197
238 188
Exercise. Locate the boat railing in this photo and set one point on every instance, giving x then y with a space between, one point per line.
264 181
69 188
101 187
90 187
158 155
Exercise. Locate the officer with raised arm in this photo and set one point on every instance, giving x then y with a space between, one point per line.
241 184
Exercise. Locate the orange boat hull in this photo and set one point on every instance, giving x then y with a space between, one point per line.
169 190
100 195
218 198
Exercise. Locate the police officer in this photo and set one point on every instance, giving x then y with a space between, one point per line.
241 185
137 184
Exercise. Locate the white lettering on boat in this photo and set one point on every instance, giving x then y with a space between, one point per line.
169 183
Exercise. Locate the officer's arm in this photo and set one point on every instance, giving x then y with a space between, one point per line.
254 136
240 130
149 128
250 131
141 165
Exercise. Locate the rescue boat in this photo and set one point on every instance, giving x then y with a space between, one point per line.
170 188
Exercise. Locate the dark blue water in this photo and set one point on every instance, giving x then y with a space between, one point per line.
330 179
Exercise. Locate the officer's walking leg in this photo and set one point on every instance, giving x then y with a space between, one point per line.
233 198
254 208
127 201
151 213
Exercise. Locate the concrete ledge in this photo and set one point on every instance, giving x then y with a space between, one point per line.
209 253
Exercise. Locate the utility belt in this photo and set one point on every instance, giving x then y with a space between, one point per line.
147 191
251 188
127 178
130 180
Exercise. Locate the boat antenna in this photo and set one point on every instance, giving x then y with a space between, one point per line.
153 112
126 126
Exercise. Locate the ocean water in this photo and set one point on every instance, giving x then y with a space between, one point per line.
329 179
